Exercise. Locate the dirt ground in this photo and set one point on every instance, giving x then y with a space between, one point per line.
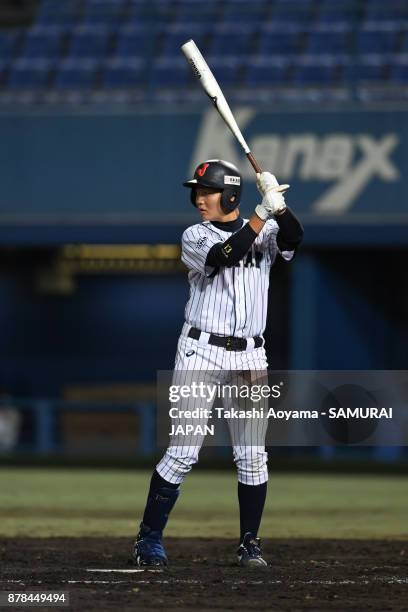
302 575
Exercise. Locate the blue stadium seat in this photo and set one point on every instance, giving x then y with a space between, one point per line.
63 13
132 41
370 68
103 12
386 10
316 70
234 39
124 73
90 41
267 71
274 38
135 15
170 72
177 34
243 12
197 11
3 71
378 40
9 43
404 46
329 39
158 12
227 69
76 74
30 74
43 43
338 11
399 71
293 11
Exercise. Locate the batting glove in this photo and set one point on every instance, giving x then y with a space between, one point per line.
273 203
266 182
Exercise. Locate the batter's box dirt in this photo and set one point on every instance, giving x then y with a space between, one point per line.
302 575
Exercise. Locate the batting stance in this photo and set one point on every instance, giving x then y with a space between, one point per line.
229 260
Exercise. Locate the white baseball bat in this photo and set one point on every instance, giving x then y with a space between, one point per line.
213 91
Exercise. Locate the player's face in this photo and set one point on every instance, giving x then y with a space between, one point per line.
208 202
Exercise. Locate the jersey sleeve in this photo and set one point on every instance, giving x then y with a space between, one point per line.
195 245
271 231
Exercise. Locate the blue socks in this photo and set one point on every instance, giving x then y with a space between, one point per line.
251 504
160 501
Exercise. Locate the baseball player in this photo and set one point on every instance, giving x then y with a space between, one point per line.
228 260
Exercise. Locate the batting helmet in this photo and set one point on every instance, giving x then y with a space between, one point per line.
221 175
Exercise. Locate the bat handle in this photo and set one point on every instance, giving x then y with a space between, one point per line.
254 163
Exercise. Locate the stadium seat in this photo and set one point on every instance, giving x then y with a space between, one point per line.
153 12
43 43
316 70
63 13
332 13
329 39
30 74
177 34
273 38
90 41
3 72
132 41
404 46
378 40
293 11
124 73
244 12
9 43
169 72
135 15
370 68
227 69
234 39
197 11
382 11
104 12
267 71
76 74
399 69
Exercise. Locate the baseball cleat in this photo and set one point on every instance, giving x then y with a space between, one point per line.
249 552
148 548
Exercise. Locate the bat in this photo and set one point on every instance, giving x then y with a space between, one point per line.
213 91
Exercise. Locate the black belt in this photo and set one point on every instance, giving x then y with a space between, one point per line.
230 343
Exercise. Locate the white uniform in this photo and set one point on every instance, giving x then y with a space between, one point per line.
224 302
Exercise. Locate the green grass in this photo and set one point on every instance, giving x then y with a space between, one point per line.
63 502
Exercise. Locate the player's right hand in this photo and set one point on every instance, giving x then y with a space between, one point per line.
273 203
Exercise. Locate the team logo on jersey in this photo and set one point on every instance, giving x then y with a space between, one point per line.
202 169
201 242
189 353
232 180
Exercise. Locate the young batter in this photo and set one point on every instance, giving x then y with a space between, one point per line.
229 260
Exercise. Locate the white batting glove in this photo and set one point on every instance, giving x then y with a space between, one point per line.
266 181
273 203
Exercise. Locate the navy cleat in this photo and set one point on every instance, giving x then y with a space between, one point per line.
148 548
249 552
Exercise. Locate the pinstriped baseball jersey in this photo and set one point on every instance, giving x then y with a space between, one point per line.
229 301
